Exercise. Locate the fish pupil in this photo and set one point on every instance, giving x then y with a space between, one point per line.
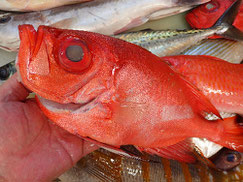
210 6
74 53
231 158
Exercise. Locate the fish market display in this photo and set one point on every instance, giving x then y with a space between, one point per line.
102 165
224 87
207 14
34 5
227 50
117 93
173 42
103 16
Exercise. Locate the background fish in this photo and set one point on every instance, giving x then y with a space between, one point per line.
34 5
103 16
207 14
227 50
102 165
173 42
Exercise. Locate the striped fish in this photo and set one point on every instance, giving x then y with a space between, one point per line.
102 165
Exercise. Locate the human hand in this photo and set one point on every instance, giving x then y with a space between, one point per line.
31 147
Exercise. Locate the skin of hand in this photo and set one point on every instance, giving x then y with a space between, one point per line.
31 147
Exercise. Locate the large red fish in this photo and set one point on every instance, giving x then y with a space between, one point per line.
114 92
220 81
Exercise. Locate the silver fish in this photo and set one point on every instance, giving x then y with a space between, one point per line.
102 16
34 5
227 50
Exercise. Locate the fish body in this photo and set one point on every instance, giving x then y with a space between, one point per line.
103 16
207 14
168 42
117 93
220 81
102 165
227 50
34 5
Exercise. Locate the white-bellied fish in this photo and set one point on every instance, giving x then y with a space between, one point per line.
34 5
102 16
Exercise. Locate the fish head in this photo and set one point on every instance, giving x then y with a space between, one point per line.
8 34
207 14
65 66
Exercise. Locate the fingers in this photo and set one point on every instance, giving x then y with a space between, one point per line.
13 90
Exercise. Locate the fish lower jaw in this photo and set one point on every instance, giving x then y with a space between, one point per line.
70 107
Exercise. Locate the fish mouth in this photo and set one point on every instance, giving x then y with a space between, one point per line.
74 108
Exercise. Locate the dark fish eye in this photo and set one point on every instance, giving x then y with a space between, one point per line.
4 73
231 157
5 19
227 159
74 53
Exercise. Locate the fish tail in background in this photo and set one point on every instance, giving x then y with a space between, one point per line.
232 135
227 19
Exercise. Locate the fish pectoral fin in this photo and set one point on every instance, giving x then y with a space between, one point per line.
125 150
181 151
199 101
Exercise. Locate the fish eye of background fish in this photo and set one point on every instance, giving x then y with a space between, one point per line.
227 159
5 18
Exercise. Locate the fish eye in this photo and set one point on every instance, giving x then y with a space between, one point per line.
227 159
210 7
74 53
5 19
4 73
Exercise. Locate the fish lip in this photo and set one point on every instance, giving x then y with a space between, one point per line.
74 108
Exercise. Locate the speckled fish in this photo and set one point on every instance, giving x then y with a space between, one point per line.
102 16
220 81
102 165
34 5
173 42
115 93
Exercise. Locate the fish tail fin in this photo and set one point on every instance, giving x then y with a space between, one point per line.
226 20
232 136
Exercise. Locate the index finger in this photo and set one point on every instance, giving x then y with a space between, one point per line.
13 90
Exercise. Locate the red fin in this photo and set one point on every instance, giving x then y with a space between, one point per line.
181 151
200 102
232 137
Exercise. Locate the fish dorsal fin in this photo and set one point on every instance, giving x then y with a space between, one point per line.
200 103
181 151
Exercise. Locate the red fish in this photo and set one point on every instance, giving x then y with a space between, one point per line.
114 92
206 15
220 81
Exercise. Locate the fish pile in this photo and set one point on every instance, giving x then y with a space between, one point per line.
134 93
